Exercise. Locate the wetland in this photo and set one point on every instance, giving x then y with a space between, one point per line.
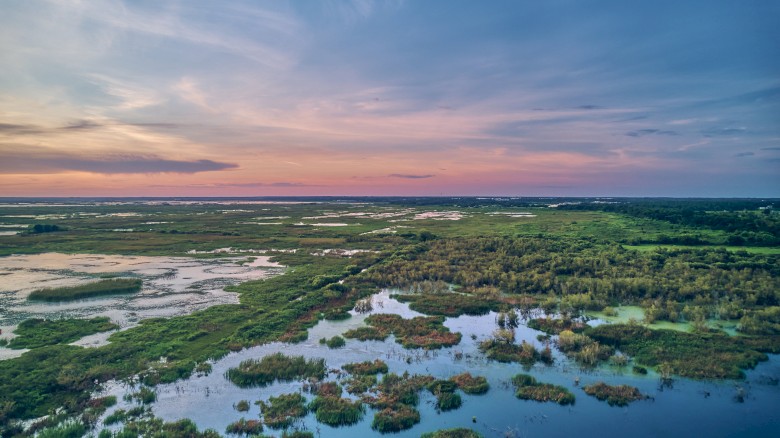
466 320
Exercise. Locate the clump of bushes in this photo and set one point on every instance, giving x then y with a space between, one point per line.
280 412
620 395
367 367
528 388
583 349
470 384
360 383
253 372
501 348
241 406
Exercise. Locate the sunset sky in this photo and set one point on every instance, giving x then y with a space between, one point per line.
523 98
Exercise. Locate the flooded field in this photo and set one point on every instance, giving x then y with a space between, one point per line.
686 408
171 286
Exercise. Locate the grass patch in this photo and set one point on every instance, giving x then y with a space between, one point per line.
619 395
254 372
244 427
449 304
334 342
366 368
419 332
35 333
280 412
502 351
458 432
395 419
336 411
470 384
528 388
112 286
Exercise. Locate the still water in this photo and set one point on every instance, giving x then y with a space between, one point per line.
689 408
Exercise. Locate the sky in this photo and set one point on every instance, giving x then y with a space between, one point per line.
436 97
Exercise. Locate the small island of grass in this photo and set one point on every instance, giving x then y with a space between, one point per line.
426 332
459 432
254 372
113 286
470 384
619 395
280 412
528 388
366 368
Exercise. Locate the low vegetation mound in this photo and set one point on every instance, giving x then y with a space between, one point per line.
395 419
426 332
254 372
470 384
528 388
34 333
244 427
367 367
620 395
501 348
336 411
458 432
111 286
280 412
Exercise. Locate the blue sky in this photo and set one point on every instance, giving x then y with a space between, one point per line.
203 98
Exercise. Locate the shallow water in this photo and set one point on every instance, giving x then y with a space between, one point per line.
689 408
172 286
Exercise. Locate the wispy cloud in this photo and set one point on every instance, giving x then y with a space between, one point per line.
410 176
24 161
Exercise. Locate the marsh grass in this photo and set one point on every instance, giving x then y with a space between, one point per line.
113 286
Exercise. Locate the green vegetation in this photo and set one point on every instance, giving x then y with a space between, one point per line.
368 367
144 395
35 333
527 388
446 398
620 395
68 430
111 286
696 355
337 411
242 406
261 372
452 433
43 228
395 419
502 348
470 384
360 383
419 332
334 342
281 411
244 427
681 261
553 326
